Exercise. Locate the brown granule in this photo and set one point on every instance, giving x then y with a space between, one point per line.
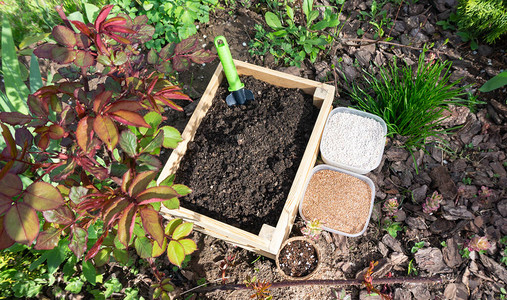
342 202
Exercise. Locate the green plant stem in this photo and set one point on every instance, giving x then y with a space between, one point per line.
327 282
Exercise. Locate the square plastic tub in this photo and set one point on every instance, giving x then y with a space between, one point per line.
379 147
361 177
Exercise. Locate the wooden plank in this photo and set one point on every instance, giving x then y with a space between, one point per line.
269 239
289 212
188 134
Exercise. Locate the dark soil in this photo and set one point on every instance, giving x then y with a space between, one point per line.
243 159
298 258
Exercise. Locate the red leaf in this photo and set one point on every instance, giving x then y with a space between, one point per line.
129 118
114 212
84 59
101 100
123 105
151 223
104 12
106 130
15 118
180 63
56 132
78 241
5 239
9 140
140 182
202 56
21 223
64 36
126 180
126 224
152 85
5 204
156 194
63 55
10 185
169 103
95 248
114 21
185 46
84 133
43 196
43 142
62 215
44 50
83 28
101 47
120 29
119 38
48 239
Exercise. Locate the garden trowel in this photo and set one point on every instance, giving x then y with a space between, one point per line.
238 95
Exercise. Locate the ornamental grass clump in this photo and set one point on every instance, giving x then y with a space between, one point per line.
412 105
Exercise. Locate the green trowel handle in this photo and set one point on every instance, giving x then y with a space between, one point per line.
229 68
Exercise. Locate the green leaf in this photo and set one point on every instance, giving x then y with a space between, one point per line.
155 144
113 285
181 189
182 230
175 253
272 20
172 225
494 83
89 272
143 247
172 203
153 119
74 285
157 250
172 137
35 76
57 256
77 193
102 257
91 12
69 268
43 196
23 223
15 89
290 12
188 245
121 255
148 162
128 142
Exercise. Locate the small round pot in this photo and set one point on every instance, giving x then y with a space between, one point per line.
294 239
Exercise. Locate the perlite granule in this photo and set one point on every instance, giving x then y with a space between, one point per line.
352 140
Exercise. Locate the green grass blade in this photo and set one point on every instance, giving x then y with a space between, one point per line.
35 76
5 104
15 89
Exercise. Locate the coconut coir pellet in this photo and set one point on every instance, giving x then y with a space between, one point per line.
342 202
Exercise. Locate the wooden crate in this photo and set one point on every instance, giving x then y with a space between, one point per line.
269 240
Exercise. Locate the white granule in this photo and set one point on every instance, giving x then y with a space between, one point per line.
352 140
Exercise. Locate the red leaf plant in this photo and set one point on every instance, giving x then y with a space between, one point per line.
90 142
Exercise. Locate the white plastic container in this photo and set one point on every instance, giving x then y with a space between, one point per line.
379 148
361 177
